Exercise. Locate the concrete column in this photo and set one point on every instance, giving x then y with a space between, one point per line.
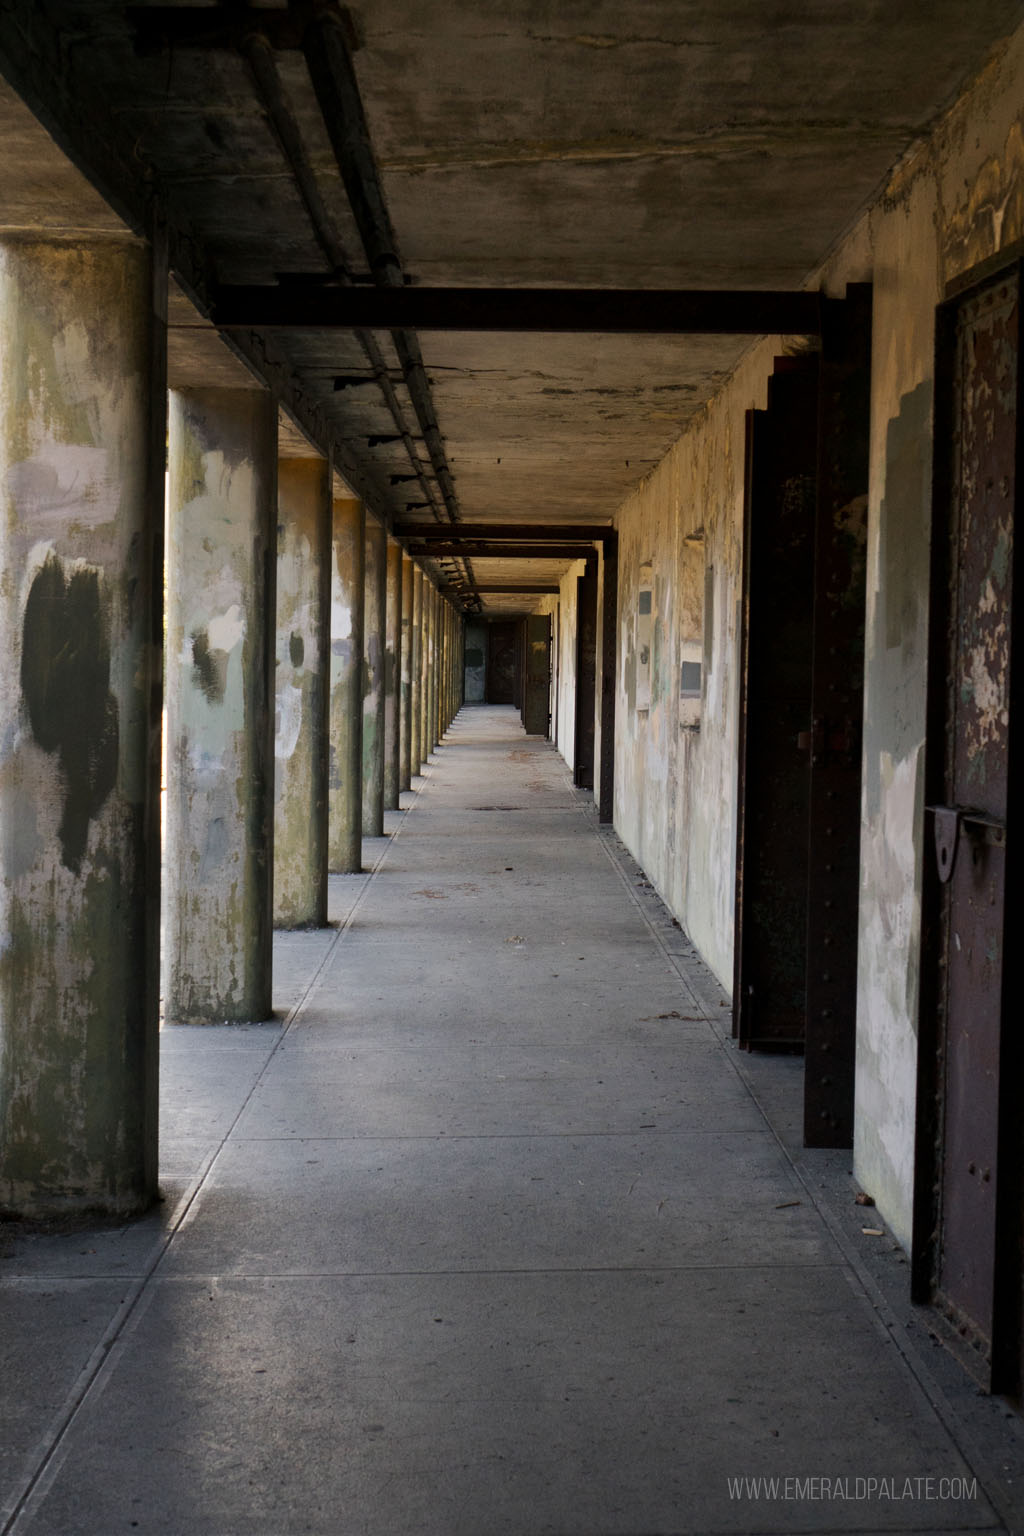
218 856
392 682
405 696
373 679
348 592
449 707
442 608
460 662
82 391
425 633
302 684
416 670
442 662
435 657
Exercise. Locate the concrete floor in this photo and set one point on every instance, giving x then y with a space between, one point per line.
487 1235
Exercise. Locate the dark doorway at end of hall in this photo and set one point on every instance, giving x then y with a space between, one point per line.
508 661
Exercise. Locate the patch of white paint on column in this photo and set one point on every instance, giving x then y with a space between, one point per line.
341 621
289 721
227 630
206 766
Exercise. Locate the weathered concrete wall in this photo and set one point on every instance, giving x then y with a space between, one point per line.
79 765
956 201
221 544
672 761
301 688
563 712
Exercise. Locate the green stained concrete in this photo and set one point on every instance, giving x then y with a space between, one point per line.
348 588
221 538
301 688
374 644
392 676
79 783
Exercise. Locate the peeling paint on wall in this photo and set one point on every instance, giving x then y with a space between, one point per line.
65 681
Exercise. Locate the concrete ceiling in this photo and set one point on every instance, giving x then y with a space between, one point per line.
639 144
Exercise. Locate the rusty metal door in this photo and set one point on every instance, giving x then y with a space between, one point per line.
769 990
968 1225
537 699
501 662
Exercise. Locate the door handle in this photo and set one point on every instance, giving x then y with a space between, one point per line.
978 825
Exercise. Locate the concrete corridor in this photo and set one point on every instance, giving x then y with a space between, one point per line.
487 1236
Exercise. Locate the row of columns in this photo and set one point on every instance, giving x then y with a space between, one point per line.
309 669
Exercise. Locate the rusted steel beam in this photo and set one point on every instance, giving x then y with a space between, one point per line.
491 551
529 533
525 589
653 311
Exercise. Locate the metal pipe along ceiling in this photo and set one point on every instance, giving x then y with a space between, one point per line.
259 55
337 90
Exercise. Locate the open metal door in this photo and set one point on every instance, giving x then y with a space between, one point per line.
967 1256
802 682
537 690
836 712
769 990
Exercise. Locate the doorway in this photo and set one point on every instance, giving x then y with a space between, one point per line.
537 681
502 647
